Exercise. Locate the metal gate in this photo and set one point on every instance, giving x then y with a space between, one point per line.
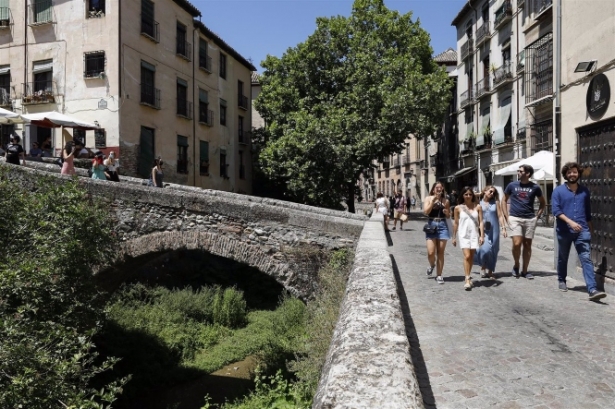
597 157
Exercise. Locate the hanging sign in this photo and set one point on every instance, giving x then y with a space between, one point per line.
598 96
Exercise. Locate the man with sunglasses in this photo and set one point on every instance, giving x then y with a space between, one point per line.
521 219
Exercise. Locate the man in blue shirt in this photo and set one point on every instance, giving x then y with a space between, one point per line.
572 209
521 219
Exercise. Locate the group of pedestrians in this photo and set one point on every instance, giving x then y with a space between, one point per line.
475 222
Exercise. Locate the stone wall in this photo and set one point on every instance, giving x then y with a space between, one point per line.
263 233
368 364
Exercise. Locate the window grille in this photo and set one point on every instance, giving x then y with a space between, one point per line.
539 69
94 64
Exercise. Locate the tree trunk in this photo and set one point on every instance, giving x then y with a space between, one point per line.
350 198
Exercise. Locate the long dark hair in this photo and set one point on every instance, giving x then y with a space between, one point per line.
68 147
465 189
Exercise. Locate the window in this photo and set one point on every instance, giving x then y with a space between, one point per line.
182 154
223 165
182 97
150 95
204 59
5 85
79 136
100 138
204 157
222 112
43 78
96 8
241 98
242 168
539 69
146 152
94 64
149 26
183 48
206 116
240 134
42 11
5 17
222 66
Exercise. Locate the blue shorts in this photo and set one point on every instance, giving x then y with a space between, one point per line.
441 233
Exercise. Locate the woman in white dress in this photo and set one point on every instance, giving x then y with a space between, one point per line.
382 206
469 225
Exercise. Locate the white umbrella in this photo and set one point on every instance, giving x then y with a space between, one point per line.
9 117
55 120
543 174
540 160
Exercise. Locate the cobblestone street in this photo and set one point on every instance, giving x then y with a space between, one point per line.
508 343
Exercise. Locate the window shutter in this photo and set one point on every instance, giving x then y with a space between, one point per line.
182 141
42 66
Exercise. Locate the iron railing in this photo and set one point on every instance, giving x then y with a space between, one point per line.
206 116
405 160
539 69
542 136
39 92
520 3
41 12
468 146
150 95
184 108
150 29
503 14
482 87
538 6
184 49
93 64
467 49
242 101
466 98
396 162
521 61
205 62
483 33
502 73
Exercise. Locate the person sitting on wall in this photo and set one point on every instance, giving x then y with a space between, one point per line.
36 151
82 151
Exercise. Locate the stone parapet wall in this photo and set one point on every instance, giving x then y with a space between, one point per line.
369 364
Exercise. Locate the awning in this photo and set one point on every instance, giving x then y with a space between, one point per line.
540 160
464 171
480 138
55 120
42 66
9 117
498 132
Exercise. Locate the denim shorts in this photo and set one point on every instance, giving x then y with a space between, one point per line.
441 233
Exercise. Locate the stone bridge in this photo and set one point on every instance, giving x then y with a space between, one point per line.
368 364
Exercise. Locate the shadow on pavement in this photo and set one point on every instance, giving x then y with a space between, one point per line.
416 354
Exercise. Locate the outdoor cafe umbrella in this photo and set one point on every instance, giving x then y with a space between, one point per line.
9 117
540 160
55 119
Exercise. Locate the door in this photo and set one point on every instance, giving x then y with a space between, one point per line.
146 152
596 153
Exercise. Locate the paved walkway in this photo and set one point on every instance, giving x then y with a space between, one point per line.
508 343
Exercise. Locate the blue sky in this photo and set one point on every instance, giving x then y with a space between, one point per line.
256 28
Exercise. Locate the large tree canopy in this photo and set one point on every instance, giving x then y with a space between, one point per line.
352 92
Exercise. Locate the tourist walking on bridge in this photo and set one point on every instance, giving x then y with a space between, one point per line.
521 219
469 225
400 211
382 206
572 209
157 174
487 255
437 207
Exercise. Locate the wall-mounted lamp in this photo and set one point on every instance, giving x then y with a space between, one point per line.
586 66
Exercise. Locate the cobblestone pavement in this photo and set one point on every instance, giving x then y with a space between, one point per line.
508 343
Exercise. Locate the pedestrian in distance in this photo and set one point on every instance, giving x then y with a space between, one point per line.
98 168
14 151
382 206
453 198
157 174
571 203
68 155
469 225
35 151
521 219
487 255
399 210
392 207
413 202
437 208
112 166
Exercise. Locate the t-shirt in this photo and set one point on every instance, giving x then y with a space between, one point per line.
400 202
12 153
522 196
381 205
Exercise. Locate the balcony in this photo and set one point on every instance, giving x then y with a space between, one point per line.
483 33
405 160
40 92
184 108
469 146
243 137
521 61
483 87
521 134
467 49
466 98
205 63
503 15
540 7
5 97
150 29
206 117
487 143
40 13
184 50
150 96
242 102
502 74
396 162
5 18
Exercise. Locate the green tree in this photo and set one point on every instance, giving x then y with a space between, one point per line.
351 93
53 236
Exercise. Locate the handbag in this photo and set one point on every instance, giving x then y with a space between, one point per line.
403 217
430 229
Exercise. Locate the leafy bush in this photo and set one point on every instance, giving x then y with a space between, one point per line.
52 240
229 308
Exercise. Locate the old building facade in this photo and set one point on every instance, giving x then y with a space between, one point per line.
158 82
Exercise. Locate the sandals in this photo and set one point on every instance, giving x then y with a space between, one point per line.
468 285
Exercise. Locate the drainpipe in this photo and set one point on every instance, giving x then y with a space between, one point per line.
194 110
120 60
517 145
557 126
